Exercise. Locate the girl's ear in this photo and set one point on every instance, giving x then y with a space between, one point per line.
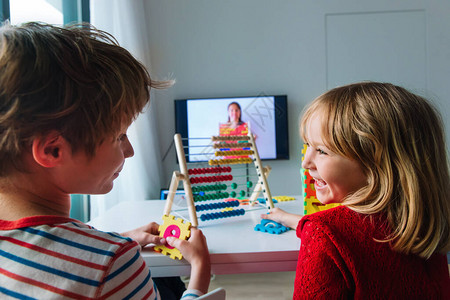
48 150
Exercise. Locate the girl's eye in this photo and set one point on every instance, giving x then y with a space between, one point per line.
320 151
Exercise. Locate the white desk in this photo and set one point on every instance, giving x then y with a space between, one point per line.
234 245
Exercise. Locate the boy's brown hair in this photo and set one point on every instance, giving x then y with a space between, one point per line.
76 80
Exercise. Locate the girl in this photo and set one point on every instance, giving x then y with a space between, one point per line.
380 151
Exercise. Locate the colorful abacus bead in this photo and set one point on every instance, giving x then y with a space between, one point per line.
218 205
225 214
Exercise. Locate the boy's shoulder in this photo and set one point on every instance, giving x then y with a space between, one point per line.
63 234
52 256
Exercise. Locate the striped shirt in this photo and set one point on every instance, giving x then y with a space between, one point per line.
47 257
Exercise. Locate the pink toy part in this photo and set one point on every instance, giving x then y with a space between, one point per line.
172 230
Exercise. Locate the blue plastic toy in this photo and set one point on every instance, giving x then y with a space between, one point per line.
271 227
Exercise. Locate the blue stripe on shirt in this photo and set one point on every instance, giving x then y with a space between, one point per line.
137 289
44 268
155 288
113 234
14 294
67 242
122 268
189 295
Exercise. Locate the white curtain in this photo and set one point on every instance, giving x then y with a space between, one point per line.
141 176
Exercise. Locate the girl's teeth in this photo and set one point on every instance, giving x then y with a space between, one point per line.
319 182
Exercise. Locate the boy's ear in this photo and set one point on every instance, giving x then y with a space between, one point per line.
48 150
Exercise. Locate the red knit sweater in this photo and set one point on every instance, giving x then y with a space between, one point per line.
339 259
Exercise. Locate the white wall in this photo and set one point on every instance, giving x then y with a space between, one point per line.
252 47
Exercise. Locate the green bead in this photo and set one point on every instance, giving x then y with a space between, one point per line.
249 184
234 185
233 194
242 193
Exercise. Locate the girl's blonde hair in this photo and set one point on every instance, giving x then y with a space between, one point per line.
398 138
76 80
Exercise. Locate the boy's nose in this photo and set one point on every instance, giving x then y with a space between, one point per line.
128 150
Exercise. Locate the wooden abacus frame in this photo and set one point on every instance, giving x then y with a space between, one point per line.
184 176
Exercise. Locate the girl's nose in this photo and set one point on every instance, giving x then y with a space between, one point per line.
307 162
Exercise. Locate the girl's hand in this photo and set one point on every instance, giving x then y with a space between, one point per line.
284 218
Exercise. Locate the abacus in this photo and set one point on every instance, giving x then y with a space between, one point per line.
210 183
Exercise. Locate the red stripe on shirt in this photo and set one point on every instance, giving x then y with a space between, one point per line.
84 233
42 285
55 254
34 221
126 282
148 294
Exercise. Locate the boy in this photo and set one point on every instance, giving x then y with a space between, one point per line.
67 97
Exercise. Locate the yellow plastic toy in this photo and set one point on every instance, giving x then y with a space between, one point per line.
284 198
173 227
312 205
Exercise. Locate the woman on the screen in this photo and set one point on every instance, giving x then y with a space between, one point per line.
234 114
234 126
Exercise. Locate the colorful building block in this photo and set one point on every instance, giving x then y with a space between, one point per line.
312 205
271 227
173 227
283 198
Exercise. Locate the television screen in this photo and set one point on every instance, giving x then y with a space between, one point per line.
197 120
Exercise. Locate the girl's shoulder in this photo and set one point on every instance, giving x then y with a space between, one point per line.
334 220
330 216
341 222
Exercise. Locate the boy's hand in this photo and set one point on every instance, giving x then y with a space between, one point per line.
195 251
284 218
147 234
